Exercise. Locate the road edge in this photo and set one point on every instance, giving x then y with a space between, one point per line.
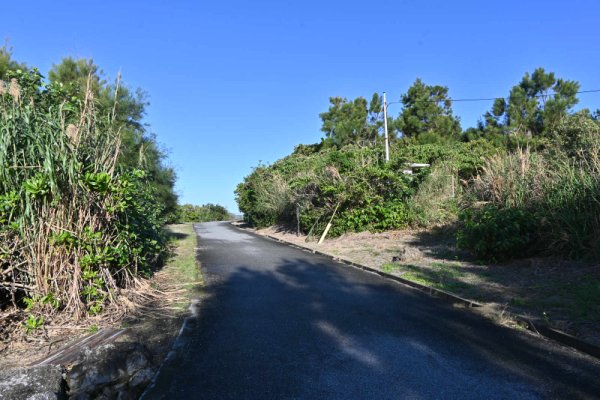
538 327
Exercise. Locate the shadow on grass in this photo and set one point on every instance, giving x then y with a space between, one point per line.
440 243
445 276
562 293
176 235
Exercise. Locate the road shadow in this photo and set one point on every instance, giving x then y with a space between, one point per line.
307 329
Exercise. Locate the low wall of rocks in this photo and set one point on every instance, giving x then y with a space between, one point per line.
109 371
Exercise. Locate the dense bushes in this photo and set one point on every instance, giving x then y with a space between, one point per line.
75 228
369 194
517 197
497 233
525 181
204 213
553 194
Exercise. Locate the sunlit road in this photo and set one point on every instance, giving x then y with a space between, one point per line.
280 323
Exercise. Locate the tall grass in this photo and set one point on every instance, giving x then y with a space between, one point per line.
571 216
559 187
59 201
435 202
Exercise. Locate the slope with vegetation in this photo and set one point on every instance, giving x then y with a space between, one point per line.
523 182
84 194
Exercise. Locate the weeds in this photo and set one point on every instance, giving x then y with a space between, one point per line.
443 276
436 200
33 323
547 202
74 229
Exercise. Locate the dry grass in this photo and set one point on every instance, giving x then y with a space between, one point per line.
436 199
513 179
562 190
153 305
44 161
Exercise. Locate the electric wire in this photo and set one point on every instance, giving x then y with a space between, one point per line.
493 98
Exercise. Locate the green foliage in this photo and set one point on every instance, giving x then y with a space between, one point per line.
577 136
536 106
69 216
204 213
7 64
427 111
127 107
33 323
534 164
494 233
369 194
37 186
374 217
51 300
98 182
354 122
558 187
8 203
436 199
37 301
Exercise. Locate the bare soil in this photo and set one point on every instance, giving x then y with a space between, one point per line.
563 293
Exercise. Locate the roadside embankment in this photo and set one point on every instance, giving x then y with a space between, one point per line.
116 359
557 293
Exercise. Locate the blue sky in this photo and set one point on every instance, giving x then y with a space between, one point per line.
232 83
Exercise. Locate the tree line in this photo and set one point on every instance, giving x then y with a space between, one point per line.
204 213
533 108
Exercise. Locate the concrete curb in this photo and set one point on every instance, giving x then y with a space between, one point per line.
539 327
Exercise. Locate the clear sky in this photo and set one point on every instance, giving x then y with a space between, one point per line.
235 82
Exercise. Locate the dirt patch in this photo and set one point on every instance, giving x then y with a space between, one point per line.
563 293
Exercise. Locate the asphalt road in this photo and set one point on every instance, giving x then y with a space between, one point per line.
276 322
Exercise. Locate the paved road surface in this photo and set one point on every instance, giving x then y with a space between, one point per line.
280 323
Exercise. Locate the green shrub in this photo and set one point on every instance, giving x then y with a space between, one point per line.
560 184
204 213
374 217
494 233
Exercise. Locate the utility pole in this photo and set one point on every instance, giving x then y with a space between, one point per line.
385 130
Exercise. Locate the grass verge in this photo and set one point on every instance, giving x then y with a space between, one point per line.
444 276
157 323
181 271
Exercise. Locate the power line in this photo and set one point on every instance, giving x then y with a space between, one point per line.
538 95
495 98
